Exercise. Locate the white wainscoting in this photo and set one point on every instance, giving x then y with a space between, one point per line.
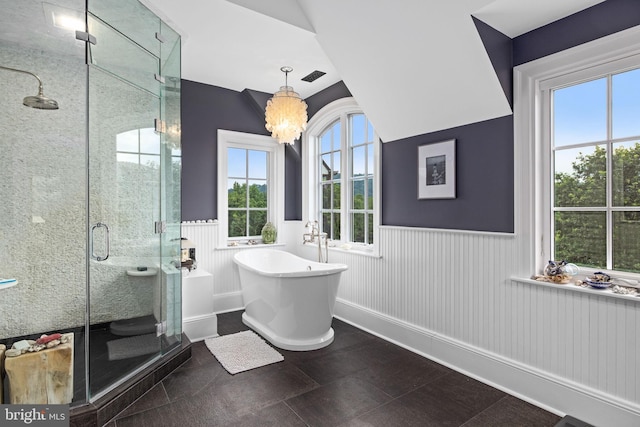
449 296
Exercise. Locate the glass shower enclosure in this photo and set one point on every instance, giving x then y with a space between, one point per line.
90 212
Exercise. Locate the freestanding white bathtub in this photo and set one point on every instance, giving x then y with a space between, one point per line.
288 300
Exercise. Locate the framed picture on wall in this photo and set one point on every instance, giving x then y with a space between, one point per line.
437 170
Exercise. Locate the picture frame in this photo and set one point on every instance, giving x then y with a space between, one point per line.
437 170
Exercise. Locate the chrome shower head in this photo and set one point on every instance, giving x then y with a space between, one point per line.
38 101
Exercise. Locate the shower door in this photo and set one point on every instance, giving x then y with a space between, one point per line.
133 242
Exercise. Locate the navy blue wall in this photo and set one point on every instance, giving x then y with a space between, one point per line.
327 96
499 48
597 21
205 109
484 178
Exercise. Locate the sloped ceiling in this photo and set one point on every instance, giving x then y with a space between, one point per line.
415 66
516 17
228 45
415 71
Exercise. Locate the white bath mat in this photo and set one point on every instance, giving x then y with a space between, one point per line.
242 351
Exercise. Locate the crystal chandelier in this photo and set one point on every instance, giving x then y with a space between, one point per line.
286 113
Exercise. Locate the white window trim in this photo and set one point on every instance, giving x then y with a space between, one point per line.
533 176
231 139
340 108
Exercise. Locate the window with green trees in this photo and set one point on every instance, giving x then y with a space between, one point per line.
347 205
331 180
250 186
247 193
361 150
595 134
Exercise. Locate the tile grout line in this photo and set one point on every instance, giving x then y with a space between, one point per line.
294 411
484 410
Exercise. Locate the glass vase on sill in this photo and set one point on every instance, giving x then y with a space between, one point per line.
269 233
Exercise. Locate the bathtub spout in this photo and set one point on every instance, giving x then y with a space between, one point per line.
311 238
313 232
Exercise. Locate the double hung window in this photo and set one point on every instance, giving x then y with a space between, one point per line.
589 170
247 191
595 137
250 185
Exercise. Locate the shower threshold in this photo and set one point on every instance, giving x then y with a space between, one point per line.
134 326
104 408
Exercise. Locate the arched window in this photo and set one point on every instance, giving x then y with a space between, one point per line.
341 179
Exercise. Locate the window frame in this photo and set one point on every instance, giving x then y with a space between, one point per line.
338 110
138 152
351 148
607 72
532 128
275 178
321 182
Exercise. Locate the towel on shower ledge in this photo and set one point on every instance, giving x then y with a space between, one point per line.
242 351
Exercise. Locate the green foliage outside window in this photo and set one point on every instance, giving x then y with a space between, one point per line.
580 236
351 198
247 211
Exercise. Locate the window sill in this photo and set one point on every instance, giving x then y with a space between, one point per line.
571 287
244 245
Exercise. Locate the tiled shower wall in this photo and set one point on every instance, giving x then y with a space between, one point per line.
42 194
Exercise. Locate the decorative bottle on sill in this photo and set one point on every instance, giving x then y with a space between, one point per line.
269 233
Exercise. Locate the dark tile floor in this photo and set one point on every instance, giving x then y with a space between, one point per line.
359 380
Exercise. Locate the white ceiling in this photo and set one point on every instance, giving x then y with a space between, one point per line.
413 69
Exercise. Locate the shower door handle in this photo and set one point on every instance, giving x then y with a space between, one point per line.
106 242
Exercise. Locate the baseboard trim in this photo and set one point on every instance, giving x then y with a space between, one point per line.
538 387
231 301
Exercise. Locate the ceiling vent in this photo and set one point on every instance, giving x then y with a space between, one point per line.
314 75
